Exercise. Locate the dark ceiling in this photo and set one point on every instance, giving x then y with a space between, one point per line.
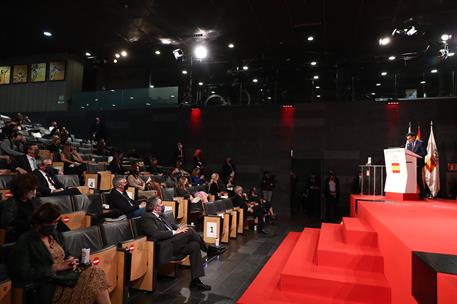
269 36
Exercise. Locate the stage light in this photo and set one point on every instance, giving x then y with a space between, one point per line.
88 54
392 58
200 52
151 86
112 90
47 34
124 54
157 52
213 92
231 45
200 83
165 40
255 80
434 71
384 74
315 77
423 82
378 84
114 105
446 37
245 68
318 96
451 54
318 87
310 38
117 55
373 94
384 41
184 72
269 97
115 60
131 97
313 63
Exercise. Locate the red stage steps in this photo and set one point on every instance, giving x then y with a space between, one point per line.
337 264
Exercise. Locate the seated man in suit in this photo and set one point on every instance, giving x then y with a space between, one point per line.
254 209
28 162
48 183
120 200
174 240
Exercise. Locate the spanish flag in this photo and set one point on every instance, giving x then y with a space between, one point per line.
432 166
395 167
418 135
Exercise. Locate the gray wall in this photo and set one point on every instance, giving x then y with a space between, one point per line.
41 96
342 135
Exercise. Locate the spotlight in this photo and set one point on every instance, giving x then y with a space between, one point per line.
200 52
165 40
384 41
313 63
378 84
117 55
131 97
184 72
200 83
315 77
178 53
88 54
373 94
392 58
255 80
47 34
423 82
446 37
151 86
115 60
245 68
318 96
310 38
157 52
434 71
231 45
384 74
318 87
213 92
124 54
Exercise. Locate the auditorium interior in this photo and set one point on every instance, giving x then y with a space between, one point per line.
273 152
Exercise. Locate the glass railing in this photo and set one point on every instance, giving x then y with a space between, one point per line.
125 99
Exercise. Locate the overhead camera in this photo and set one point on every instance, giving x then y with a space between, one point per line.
178 53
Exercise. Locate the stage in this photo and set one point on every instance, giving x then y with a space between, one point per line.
366 259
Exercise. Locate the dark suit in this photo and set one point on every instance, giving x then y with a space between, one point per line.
43 186
18 215
23 163
123 203
418 147
174 246
257 210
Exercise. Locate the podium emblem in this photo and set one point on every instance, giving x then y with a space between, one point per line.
395 168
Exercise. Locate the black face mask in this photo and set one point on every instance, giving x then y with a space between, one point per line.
49 170
47 229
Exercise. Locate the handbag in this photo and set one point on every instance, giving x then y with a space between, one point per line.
66 278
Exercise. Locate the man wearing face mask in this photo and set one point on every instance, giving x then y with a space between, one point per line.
174 241
28 162
119 199
48 183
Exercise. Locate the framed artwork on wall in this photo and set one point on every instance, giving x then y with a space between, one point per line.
38 72
20 73
56 70
5 74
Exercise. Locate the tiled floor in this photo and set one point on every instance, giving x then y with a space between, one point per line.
229 274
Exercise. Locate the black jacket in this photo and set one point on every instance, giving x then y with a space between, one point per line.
43 187
30 262
122 203
17 215
23 163
116 168
156 230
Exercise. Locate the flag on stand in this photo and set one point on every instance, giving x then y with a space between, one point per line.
418 135
432 173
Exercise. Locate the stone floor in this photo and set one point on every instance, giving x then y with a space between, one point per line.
231 273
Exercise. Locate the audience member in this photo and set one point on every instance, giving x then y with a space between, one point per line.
26 163
174 240
155 186
48 183
178 170
55 148
13 145
97 129
179 153
73 162
197 160
267 185
134 179
52 126
64 134
332 193
197 178
115 166
214 187
17 210
120 200
230 186
101 148
154 167
40 258
228 168
182 189
266 205
250 208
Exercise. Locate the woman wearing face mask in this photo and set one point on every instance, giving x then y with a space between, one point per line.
39 258
17 210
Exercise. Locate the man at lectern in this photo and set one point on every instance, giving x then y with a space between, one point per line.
417 146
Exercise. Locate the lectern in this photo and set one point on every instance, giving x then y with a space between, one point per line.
401 172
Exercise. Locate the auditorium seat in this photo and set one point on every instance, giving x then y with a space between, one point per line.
68 180
63 202
5 180
168 194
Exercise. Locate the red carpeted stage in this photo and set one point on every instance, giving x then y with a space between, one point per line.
366 259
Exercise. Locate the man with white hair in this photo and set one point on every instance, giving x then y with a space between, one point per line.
120 200
240 199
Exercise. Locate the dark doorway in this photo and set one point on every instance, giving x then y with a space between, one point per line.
306 187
